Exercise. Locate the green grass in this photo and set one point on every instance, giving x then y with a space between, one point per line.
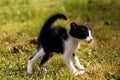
21 21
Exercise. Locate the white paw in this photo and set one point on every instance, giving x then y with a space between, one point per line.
29 72
78 73
81 67
29 68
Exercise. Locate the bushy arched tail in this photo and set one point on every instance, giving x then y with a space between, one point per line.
47 25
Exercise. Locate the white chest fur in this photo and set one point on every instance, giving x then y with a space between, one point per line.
72 44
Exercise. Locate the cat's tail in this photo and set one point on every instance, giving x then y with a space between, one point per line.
47 25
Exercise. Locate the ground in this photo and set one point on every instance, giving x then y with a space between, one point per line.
21 21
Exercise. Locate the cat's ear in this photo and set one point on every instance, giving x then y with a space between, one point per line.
73 25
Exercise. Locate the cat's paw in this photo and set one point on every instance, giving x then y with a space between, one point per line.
29 72
78 73
81 67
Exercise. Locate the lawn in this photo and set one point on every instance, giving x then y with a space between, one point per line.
21 22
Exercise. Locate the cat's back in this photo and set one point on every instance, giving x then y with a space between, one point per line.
59 32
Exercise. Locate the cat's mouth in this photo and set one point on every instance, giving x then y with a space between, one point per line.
89 39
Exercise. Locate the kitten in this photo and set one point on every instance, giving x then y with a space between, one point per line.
58 39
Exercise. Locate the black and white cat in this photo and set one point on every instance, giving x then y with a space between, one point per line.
58 39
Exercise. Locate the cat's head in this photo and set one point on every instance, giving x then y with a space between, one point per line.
81 32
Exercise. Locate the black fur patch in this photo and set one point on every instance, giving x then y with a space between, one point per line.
51 38
79 31
52 41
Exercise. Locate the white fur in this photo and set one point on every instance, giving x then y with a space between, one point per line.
71 45
77 63
38 54
89 38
